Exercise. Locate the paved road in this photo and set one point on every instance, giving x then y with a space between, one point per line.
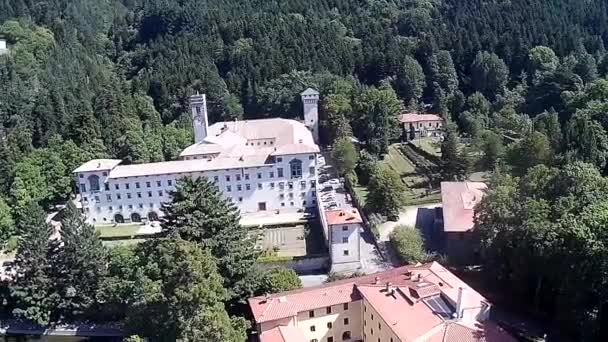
413 216
313 280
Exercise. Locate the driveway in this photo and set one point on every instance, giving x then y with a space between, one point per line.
421 217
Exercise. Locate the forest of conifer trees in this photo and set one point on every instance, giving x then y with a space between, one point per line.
87 79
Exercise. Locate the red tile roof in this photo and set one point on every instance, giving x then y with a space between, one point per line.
416 117
408 320
283 334
453 331
459 200
287 304
343 216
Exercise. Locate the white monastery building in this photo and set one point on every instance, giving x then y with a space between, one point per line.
260 165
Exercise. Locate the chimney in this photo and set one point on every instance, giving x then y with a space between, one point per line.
388 287
200 120
459 312
376 280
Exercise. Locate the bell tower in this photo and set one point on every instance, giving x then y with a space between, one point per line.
200 121
310 100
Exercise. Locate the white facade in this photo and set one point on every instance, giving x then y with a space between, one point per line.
310 99
260 165
131 199
3 47
344 243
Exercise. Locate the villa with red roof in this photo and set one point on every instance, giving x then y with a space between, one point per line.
416 125
459 200
417 303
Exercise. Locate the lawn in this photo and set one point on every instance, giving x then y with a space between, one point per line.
361 193
111 231
397 161
429 145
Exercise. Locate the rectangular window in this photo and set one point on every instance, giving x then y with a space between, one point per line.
83 188
280 172
272 185
311 170
246 176
330 339
345 308
330 325
239 187
109 198
127 186
344 240
117 196
345 253
313 183
281 185
303 184
106 186
247 186
271 174
344 228
128 195
290 184
281 196
158 183
259 175
311 157
328 310
81 175
139 195
116 186
290 196
137 185
170 182
228 178
302 194
260 187
279 160
228 188
346 321
216 179
311 313
238 177
312 328
96 199
148 184
149 193
130 206
110 208
160 193
240 199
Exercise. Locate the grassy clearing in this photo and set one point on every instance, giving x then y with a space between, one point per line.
361 193
429 145
397 161
126 230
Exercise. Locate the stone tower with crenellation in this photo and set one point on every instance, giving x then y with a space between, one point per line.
200 121
310 100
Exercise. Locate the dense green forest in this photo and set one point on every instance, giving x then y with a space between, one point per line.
523 79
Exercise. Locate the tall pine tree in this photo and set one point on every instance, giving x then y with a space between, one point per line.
198 212
32 285
78 266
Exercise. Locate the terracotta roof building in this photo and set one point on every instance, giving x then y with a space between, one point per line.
410 303
459 200
344 227
416 125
